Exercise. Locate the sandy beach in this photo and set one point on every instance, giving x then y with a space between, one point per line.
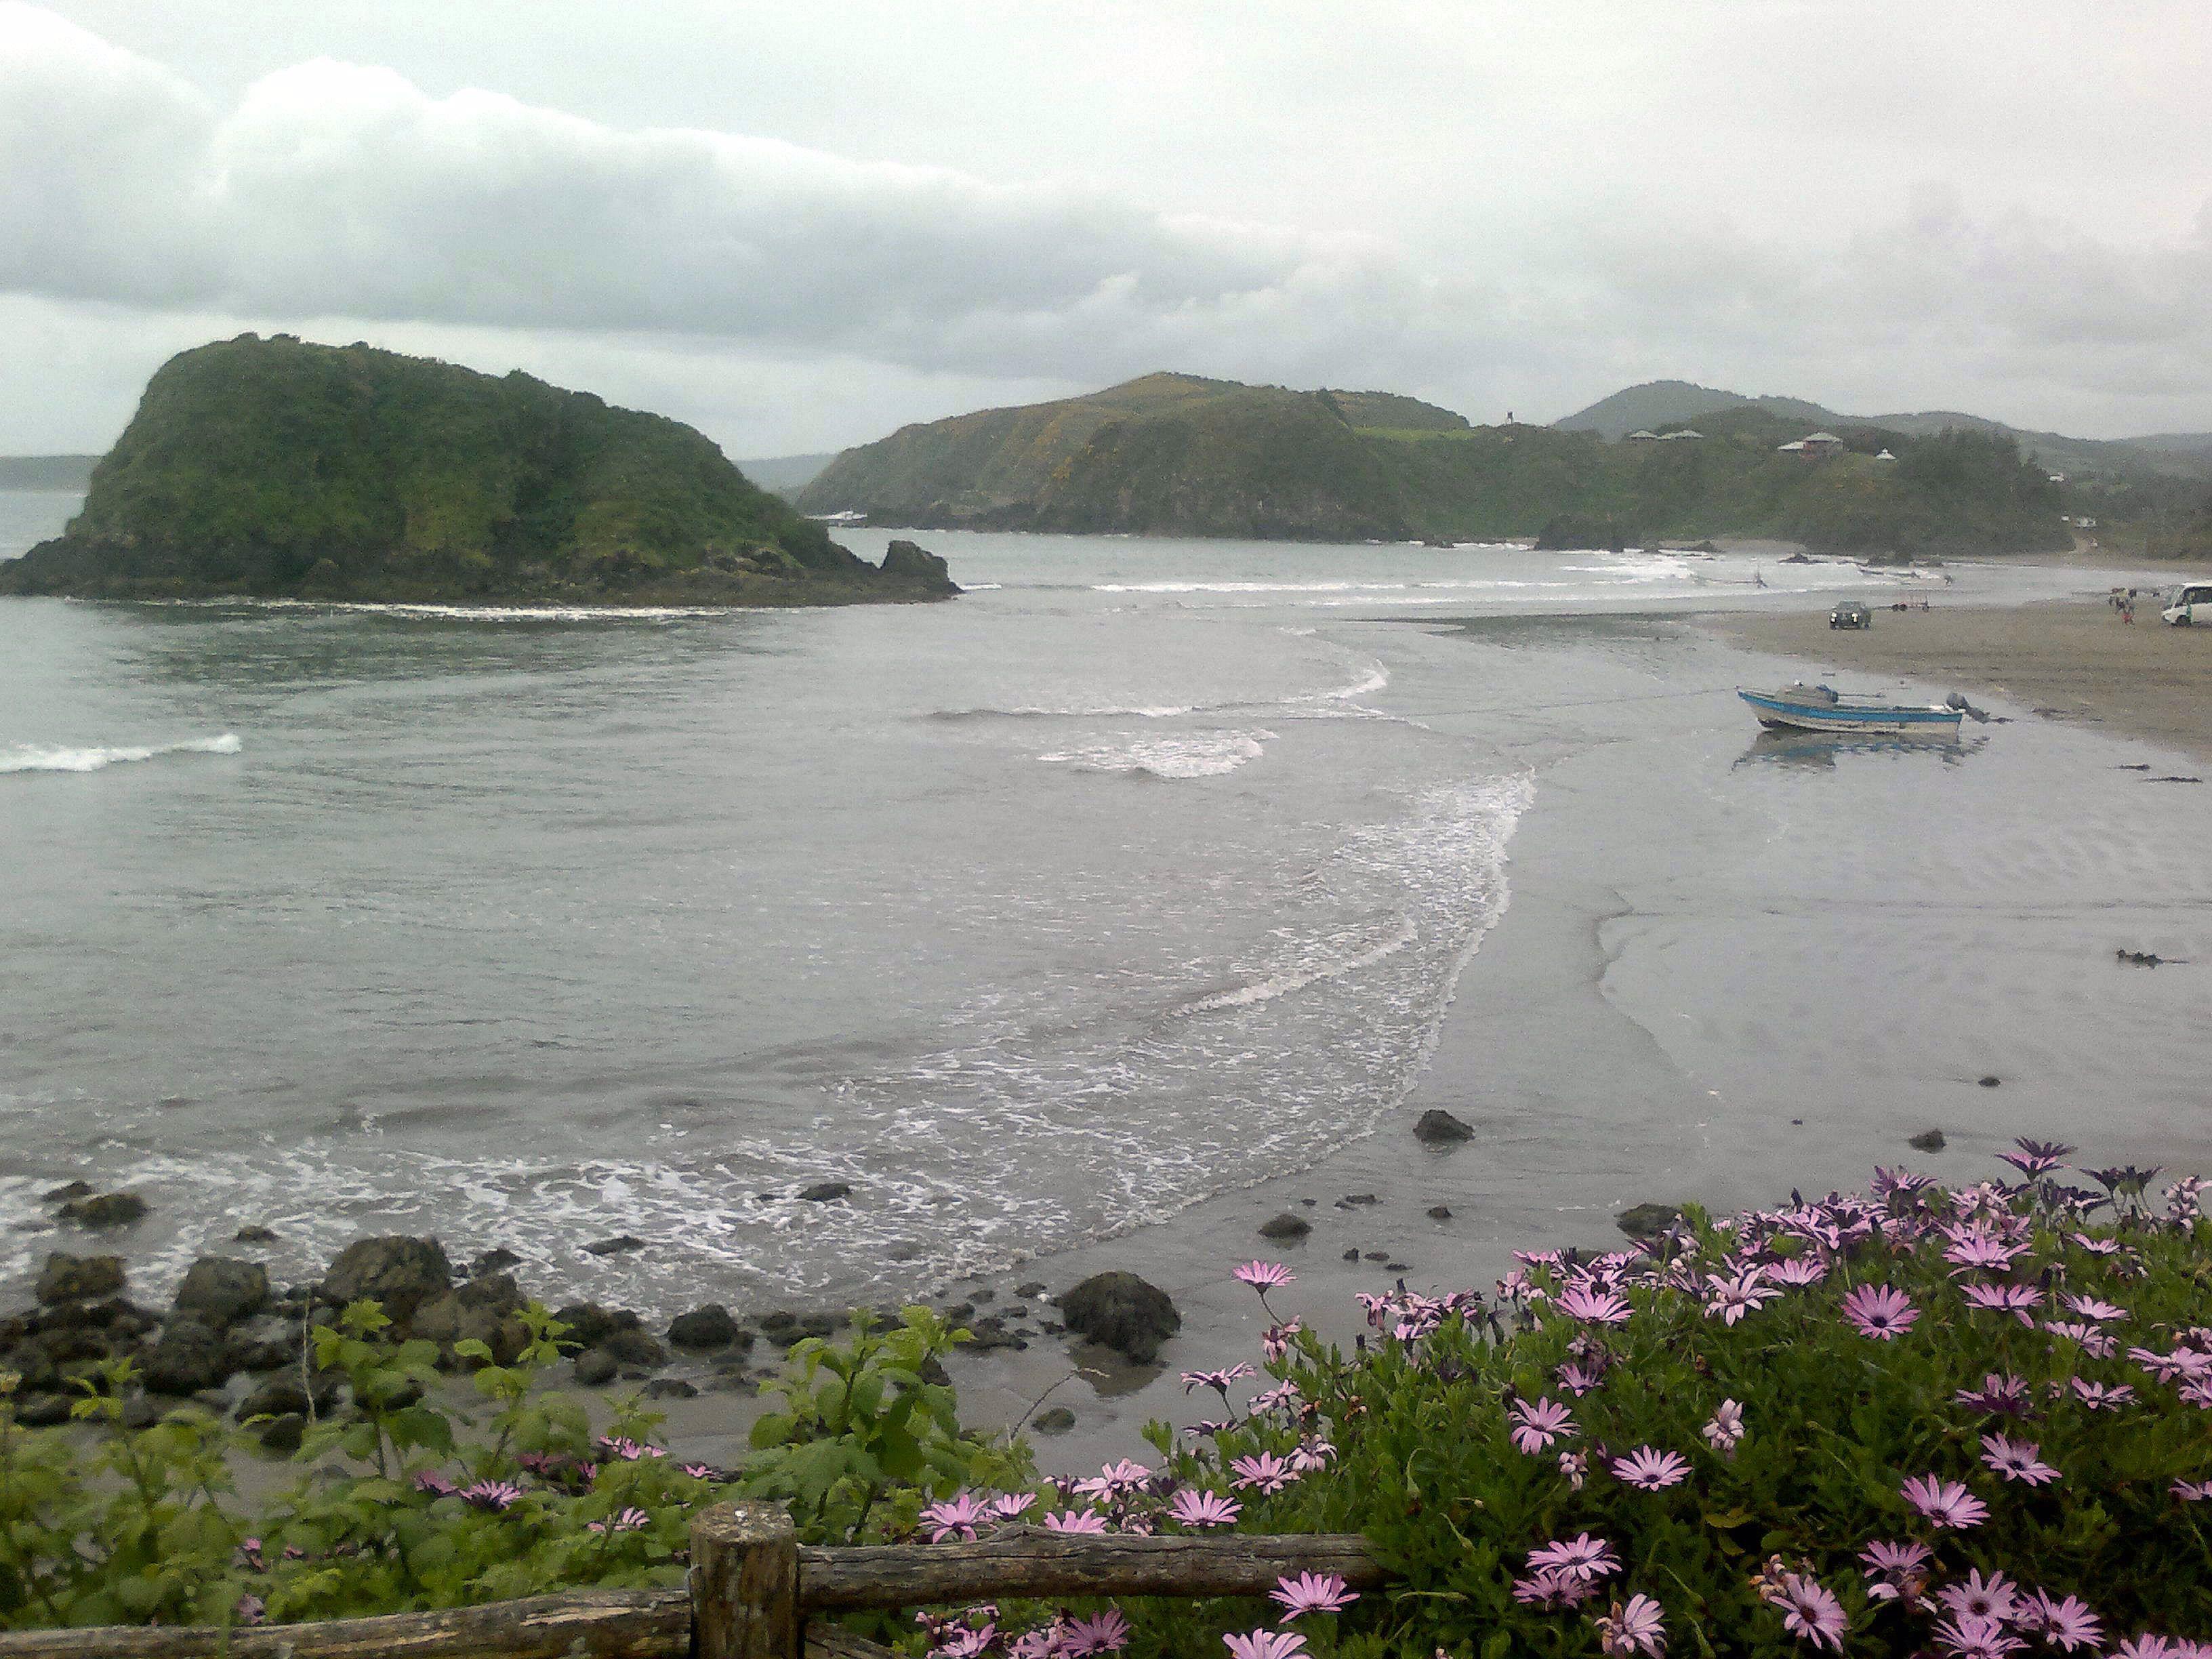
2074 661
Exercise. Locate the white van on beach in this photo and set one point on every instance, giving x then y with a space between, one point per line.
2183 604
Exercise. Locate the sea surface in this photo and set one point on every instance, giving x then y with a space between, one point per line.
1144 872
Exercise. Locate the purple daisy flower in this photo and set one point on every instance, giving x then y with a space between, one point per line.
1582 1557
1265 1275
1594 1307
1537 1424
1639 1625
1880 1311
1312 1592
1264 1643
2067 1625
1192 1507
2017 1460
1809 1611
1264 1470
1945 1504
1651 1469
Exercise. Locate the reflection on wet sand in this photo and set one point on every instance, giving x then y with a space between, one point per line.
1818 750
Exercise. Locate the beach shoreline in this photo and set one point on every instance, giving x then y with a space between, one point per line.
2068 660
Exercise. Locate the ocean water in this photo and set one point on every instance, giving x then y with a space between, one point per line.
1144 872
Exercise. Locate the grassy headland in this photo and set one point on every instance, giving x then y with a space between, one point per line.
280 468
1172 454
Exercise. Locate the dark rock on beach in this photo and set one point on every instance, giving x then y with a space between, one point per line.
596 1368
671 1388
283 1435
222 1289
77 1278
1286 1227
1031 1292
283 1396
1647 1220
1058 1420
187 1357
254 1235
74 1189
43 1411
486 1311
496 1259
821 1192
1438 1129
1120 1311
1928 1140
400 1273
1440 1213
618 1246
105 1209
710 1327
1990 1082
1357 1201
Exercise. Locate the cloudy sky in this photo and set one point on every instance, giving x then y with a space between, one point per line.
800 225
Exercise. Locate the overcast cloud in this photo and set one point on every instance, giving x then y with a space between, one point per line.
778 230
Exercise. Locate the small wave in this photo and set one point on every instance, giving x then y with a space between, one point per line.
1281 985
1139 711
1201 755
27 759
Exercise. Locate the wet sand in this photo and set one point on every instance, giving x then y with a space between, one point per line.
2073 660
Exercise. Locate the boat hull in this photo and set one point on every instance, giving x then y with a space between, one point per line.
1784 713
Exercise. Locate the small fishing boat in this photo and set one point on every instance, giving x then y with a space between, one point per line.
1822 708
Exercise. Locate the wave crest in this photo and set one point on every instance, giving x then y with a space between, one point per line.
26 758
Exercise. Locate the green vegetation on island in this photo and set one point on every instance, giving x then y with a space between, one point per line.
280 468
1173 454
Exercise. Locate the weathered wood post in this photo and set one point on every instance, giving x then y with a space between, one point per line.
744 1582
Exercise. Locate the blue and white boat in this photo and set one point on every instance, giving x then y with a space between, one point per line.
1822 708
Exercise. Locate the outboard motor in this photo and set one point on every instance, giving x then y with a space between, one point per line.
1957 701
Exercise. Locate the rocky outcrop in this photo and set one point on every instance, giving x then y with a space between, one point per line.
105 1209
222 1290
710 1327
904 562
1120 1311
68 1278
1441 1128
401 1273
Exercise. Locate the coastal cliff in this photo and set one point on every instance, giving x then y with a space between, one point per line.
277 468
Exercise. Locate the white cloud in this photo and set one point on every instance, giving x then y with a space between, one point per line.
345 200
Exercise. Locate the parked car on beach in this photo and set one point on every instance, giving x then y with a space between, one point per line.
1850 614
2184 602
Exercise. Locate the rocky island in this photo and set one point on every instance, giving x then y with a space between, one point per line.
1180 455
279 468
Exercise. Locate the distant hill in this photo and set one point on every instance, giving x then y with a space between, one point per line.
1167 454
46 472
785 473
1664 405
1177 454
277 467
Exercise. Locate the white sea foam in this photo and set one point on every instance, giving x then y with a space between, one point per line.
1110 711
1192 754
1297 978
26 758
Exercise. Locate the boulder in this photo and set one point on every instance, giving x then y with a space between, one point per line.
595 1368
710 1327
589 1325
671 1388
1647 1220
283 1396
186 1358
399 1273
633 1347
1058 1420
1990 1082
1440 1213
485 1310
105 1209
259 1354
497 1259
1438 1129
823 1192
617 1246
1284 1227
1120 1311
68 1278
1928 1140
253 1234
284 1434
74 1189
224 1290
907 561
43 1411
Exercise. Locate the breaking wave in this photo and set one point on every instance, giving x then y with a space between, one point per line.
1197 755
27 759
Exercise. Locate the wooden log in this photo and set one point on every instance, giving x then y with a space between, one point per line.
830 1642
1030 1561
744 1582
588 1625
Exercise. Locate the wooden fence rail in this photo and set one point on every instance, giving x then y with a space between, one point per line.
751 1587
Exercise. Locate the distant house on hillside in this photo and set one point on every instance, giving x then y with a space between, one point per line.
1670 437
1885 456
1643 437
1812 444
2058 477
